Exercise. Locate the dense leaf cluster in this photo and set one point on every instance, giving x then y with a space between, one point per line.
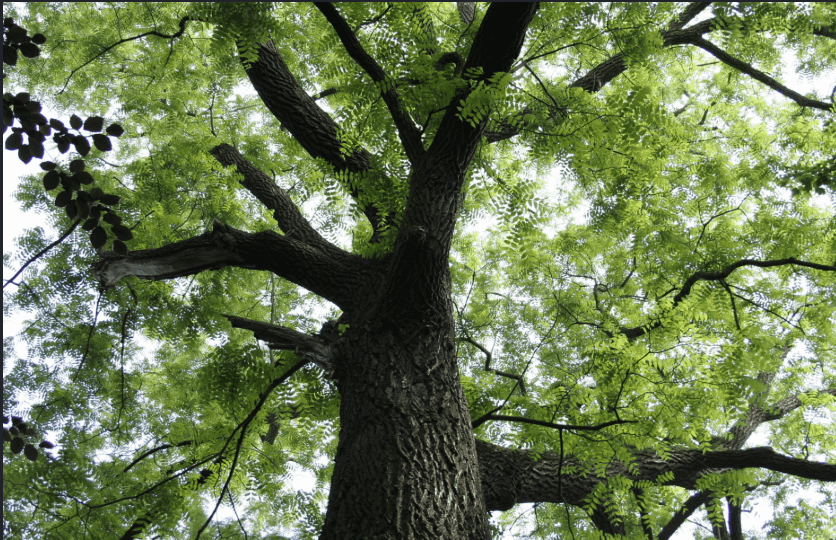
642 268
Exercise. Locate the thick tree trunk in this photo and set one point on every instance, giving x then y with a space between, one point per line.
406 464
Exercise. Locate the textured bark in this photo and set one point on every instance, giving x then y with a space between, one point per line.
406 464
315 130
511 476
337 279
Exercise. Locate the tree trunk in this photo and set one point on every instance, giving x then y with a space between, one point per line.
406 464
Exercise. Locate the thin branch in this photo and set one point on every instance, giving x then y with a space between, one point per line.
408 132
693 9
524 420
175 35
43 251
154 451
243 426
633 333
488 358
285 211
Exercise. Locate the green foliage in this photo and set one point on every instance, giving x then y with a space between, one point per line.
587 222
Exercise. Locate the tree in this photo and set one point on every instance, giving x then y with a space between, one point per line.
573 255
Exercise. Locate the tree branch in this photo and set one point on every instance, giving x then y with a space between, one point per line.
285 212
38 255
638 331
746 68
524 420
315 130
309 347
332 278
175 35
693 9
513 476
408 132
690 506
825 31
762 457
489 357
420 254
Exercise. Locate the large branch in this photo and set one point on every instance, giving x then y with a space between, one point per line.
512 476
761 457
315 130
408 132
335 279
758 75
638 331
420 255
285 212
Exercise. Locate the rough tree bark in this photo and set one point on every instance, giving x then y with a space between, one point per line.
407 463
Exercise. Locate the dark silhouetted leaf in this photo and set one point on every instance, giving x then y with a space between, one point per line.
82 145
30 50
62 142
63 199
40 39
102 142
24 153
115 130
75 122
46 444
57 125
90 224
98 237
21 98
48 165
77 165
120 247
84 177
122 233
83 208
112 218
96 193
51 180
72 210
7 436
17 445
36 148
110 200
30 432
94 123
30 452
9 55
14 141
17 34
34 107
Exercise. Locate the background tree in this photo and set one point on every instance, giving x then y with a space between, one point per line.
597 237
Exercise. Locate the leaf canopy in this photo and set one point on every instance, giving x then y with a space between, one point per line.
594 255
